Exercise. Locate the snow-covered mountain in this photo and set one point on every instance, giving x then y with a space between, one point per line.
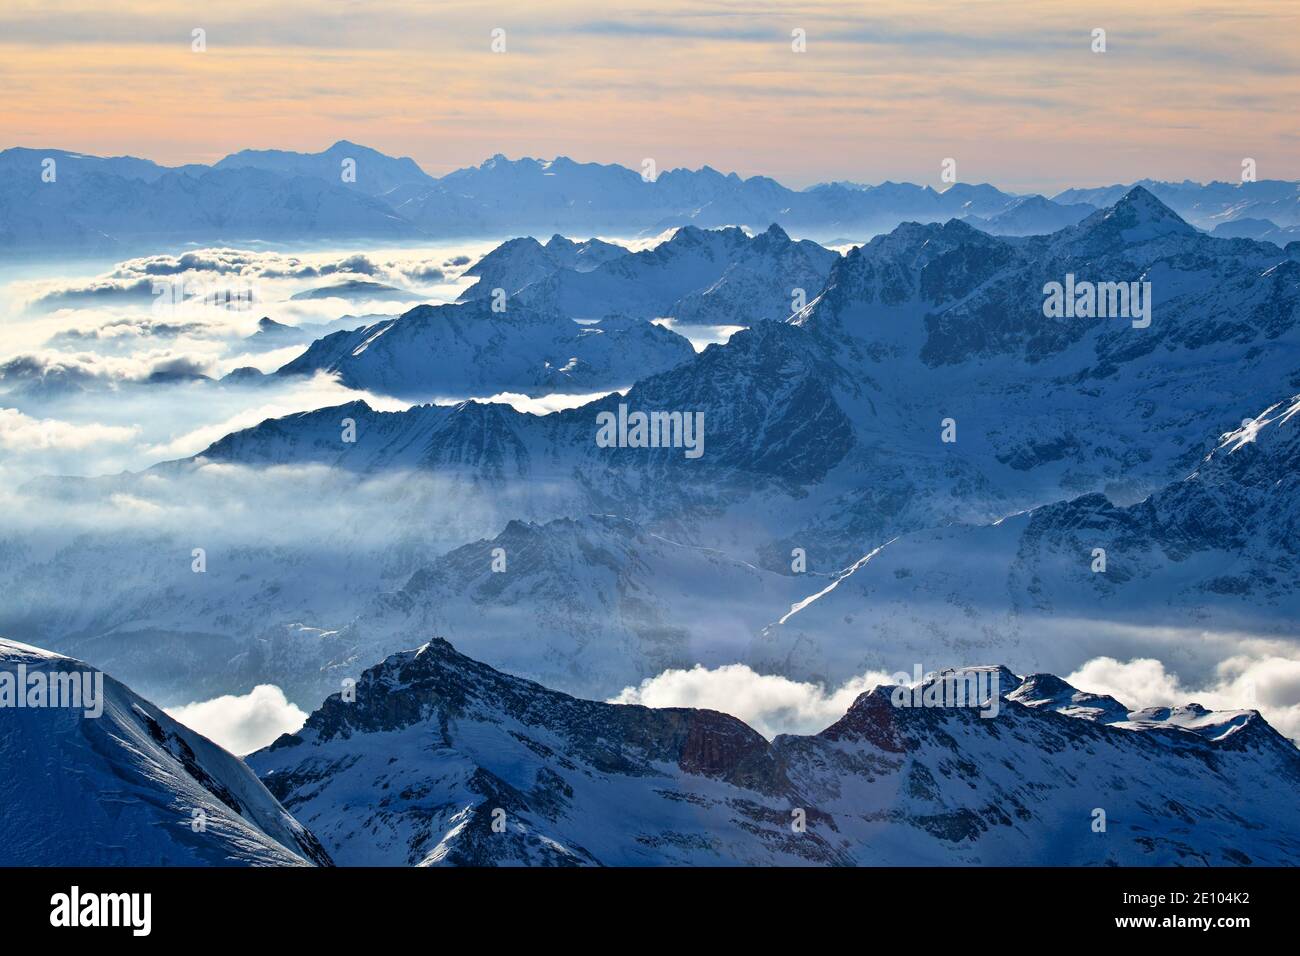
1032 216
768 399
127 786
471 349
827 434
111 203
1207 204
1214 552
609 603
124 202
597 603
19 161
705 276
944 322
414 485
271 334
541 196
928 323
441 760
87 209
520 262
371 172
822 435
362 290
1261 230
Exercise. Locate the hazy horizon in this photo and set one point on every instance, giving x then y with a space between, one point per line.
938 187
1185 89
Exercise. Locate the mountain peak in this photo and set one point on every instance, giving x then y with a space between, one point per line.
1141 198
441 743
427 685
1049 692
1138 217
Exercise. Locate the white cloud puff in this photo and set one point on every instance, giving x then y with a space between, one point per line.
775 705
243 723
770 704
1269 684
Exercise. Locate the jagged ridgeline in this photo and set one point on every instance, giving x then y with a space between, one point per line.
119 203
433 758
440 760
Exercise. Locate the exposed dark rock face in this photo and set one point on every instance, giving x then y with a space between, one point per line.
443 760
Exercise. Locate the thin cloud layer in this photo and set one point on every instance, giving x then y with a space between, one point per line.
228 277
19 432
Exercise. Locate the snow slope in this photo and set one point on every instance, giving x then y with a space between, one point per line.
520 262
454 350
121 789
699 276
1214 552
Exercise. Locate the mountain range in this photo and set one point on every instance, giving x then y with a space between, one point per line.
441 760
909 454
698 276
348 191
435 759
823 434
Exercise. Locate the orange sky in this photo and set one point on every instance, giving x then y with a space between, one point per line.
886 90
